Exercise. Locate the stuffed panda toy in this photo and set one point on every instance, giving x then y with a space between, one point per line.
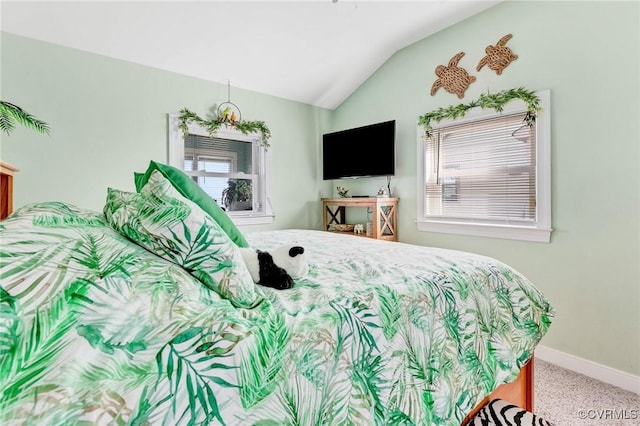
276 268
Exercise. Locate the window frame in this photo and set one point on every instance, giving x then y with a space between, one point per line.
540 230
221 157
176 159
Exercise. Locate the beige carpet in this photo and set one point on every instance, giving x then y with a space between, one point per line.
565 398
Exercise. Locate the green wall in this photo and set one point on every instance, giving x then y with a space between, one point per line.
590 270
109 118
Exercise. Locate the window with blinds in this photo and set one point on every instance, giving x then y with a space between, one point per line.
487 175
482 171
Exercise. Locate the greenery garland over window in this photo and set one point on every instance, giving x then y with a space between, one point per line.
497 101
214 124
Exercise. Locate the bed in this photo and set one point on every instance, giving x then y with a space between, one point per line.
141 314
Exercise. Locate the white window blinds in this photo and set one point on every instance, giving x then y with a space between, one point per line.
482 171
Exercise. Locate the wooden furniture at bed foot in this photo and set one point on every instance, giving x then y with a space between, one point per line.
384 214
519 392
6 189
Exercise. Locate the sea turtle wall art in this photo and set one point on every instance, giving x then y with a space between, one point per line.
453 78
498 57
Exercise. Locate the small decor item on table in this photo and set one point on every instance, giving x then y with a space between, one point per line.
383 192
358 229
453 78
342 192
369 232
499 56
341 227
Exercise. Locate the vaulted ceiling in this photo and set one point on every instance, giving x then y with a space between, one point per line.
315 52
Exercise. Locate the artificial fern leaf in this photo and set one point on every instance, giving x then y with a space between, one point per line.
10 113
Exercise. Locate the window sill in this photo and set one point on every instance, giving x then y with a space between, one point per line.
523 233
252 220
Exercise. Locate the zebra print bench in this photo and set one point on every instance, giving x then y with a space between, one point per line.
502 413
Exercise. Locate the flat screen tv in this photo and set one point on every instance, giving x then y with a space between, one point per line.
365 151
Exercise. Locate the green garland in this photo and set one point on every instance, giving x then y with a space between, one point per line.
214 124
497 101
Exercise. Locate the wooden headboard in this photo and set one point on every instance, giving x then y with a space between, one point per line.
6 189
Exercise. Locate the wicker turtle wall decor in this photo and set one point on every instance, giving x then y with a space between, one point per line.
453 78
499 56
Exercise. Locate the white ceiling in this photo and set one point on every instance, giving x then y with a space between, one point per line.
315 52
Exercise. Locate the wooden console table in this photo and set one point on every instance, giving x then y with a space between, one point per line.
385 214
6 189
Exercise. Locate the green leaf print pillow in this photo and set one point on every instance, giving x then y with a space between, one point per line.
173 227
190 190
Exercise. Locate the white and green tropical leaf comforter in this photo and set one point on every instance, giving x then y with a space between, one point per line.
95 329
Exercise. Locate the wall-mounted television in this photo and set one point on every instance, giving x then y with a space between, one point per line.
365 151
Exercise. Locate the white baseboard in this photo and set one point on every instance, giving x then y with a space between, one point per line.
591 369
